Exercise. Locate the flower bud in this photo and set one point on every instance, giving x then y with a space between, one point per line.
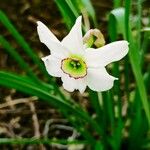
94 37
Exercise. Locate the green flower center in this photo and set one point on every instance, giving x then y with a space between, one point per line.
74 66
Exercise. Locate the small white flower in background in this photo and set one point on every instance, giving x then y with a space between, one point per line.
77 65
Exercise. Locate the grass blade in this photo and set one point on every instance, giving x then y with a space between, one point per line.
21 84
17 82
72 7
134 58
117 3
39 141
14 54
19 38
85 6
66 12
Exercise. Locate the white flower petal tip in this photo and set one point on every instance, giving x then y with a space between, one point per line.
50 40
99 80
39 23
107 54
71 84
123 46
44 58
74 41
79 20
67 88
53 70
45 34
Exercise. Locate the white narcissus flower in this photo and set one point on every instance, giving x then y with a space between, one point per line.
78 66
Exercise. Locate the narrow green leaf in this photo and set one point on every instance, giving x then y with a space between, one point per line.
14 81
39 141
90 9
28 87
96 105
66 12
19 38
14 54
117 21
134 55
117 3
134 59
116 139
85 6
139 125
72 7
99 146
139 8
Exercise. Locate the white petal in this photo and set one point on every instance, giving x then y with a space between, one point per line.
73 41
99 80
53 66
49 39
71 84
106 54
81 84
45 34
68 83
58 50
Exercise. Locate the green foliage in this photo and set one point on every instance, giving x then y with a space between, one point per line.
20 40
39 141
70 10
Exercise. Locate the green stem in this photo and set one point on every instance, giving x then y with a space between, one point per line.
38 141
96 105
117 3
14 54
134 59
139 8
6 22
